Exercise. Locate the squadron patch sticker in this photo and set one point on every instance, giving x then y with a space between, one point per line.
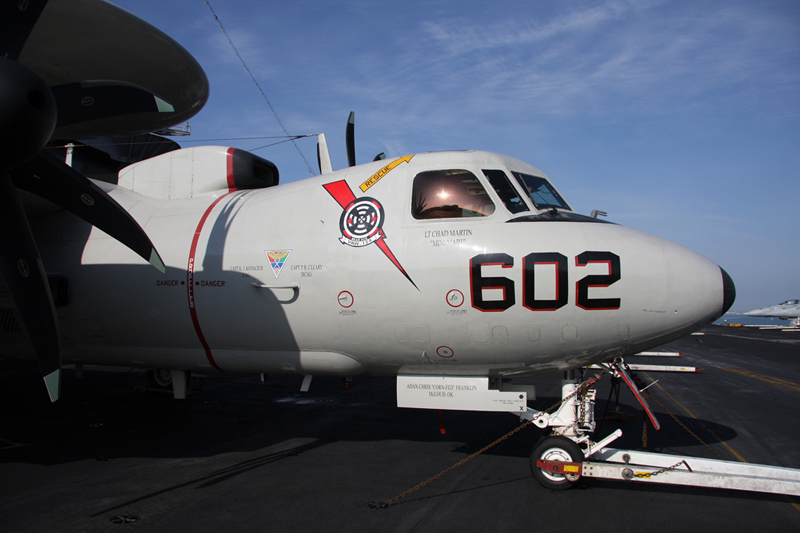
277 258
362 220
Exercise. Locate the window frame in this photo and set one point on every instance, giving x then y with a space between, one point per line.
416 212
557 195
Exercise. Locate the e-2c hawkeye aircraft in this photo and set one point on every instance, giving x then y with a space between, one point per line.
453 271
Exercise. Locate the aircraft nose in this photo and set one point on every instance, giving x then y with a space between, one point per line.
698 291
728 291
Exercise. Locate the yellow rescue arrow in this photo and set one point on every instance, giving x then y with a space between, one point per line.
375 178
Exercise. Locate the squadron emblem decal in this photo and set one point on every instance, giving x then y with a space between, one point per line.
277 258
362 221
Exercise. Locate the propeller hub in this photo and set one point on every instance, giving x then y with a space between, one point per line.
27 114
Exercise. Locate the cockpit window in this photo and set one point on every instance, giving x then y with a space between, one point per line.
543 195
506 191
449 194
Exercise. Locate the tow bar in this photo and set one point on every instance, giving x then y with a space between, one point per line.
651 467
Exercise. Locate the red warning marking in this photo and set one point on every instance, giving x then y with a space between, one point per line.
213 283
229 169
345 299
455 298
445 352
190 283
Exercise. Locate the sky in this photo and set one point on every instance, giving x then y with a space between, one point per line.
677 118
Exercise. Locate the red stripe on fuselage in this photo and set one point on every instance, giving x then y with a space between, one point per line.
229 165
190 278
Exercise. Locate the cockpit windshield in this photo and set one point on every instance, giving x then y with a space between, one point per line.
542 194
506 191
449 194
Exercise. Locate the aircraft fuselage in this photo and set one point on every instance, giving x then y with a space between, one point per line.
358 271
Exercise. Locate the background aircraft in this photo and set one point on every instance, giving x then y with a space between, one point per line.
788 310
453 271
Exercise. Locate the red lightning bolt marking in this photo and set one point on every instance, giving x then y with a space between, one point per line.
341 192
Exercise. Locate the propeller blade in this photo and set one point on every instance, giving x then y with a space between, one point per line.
17 20
47 176
27 114
96 100
350 139
24 274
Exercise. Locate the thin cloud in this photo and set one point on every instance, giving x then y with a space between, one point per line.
601 60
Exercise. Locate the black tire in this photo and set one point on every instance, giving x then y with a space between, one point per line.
555 449
160 378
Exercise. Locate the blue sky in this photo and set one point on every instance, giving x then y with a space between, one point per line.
678 118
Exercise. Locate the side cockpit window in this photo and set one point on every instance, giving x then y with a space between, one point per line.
449 194
543 195
506 191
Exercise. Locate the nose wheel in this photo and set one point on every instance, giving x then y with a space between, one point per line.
160 378
555 449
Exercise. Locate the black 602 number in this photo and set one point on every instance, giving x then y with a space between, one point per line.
478 282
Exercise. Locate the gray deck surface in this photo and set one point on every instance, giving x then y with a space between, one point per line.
244 456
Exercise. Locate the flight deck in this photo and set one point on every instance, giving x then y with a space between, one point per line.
116 455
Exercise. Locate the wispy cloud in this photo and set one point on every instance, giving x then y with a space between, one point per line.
617 57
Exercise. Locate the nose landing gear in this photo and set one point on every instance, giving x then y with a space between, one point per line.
556 459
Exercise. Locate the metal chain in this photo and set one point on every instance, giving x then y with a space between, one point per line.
644 433
384 505
581 410
644 475
583 387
